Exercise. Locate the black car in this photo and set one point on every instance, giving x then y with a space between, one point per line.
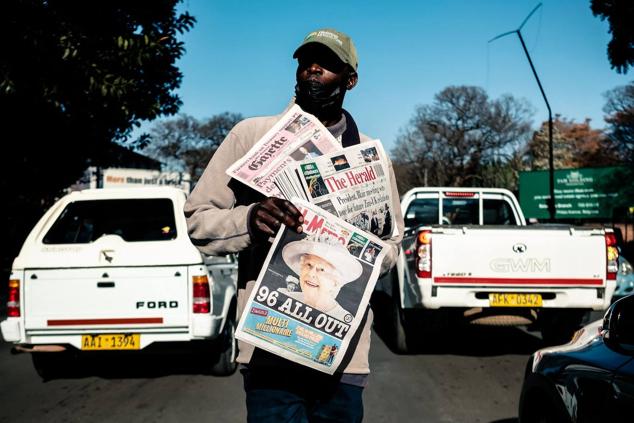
590 379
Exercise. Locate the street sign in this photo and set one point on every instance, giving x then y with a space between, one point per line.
586 193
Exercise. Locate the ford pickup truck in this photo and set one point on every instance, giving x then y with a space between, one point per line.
114 269
468 256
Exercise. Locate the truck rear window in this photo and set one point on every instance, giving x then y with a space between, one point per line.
422 211
460 211
83 222
456 211
497 212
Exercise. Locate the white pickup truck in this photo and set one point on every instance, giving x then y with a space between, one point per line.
467 255
114 269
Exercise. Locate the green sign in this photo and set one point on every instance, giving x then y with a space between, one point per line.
579 193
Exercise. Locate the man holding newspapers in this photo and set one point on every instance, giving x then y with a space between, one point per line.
303 346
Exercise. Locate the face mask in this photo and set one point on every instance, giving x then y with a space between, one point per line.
317 98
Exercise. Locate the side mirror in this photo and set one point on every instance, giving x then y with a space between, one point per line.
618 324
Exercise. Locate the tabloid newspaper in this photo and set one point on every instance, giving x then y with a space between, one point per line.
313 290
352 183
296 136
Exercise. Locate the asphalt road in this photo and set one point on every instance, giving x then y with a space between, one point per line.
472 375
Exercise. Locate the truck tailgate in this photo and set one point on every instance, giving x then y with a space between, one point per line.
102 297
518 256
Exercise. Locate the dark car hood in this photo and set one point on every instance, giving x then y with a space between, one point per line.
595 355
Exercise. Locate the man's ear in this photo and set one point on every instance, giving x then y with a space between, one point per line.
353 78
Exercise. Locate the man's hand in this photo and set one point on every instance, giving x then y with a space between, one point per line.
268 215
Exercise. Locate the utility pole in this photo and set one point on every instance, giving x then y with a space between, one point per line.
551 169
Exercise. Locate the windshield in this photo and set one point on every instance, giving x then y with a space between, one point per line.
83 222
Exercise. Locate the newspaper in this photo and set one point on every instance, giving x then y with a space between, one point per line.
312 293
296 136
352 183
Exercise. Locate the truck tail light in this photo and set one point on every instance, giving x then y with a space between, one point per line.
459 194
202 298
423 254
612 256
13 302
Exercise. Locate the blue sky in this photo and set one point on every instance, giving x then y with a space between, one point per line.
239 56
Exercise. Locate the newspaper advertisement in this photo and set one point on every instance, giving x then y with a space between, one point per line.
295 137
313 291
352 183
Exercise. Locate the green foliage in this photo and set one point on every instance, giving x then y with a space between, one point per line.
620 15
575 145
186 144
463 139
620 119
76 76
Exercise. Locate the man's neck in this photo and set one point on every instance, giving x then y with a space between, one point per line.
327 117
331 119
337 128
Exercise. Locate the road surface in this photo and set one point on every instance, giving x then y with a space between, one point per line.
473 375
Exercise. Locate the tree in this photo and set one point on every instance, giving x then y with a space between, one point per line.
575 145
186 144
462 139
620 15
76 76
620 119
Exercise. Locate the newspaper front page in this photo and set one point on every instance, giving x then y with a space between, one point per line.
312 293
352 183
295 137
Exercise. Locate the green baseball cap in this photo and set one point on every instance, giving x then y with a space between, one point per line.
336 41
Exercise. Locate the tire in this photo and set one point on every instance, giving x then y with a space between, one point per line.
558 326
406 326
542 412
540 402
51 365
412 326
226 351
400 329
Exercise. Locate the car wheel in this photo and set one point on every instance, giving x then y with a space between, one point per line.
51 365
411 327
540 402
227 351
558 326
541 411
399 330
403 326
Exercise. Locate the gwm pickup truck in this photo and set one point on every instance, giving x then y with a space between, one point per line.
114 269
467 255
